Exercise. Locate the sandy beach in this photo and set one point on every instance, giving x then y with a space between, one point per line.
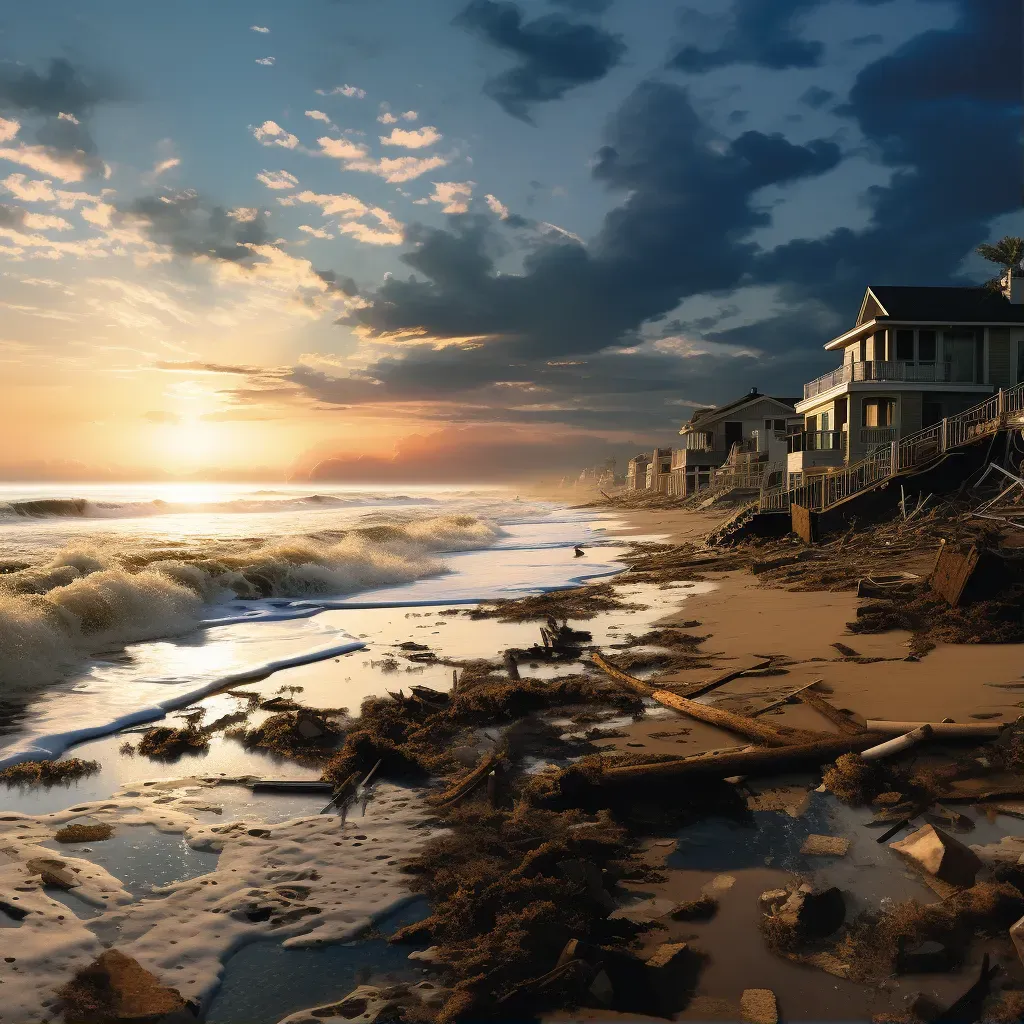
510 775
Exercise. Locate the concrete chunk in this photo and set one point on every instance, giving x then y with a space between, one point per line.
940 855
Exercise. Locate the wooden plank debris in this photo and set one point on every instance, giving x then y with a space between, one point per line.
972 730
784 700
838 718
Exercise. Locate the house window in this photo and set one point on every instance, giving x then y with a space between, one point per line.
926 346
825 418
905 345
878 412
767 425
780 426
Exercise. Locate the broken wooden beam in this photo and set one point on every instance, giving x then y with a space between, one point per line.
761 761
842 721
783 700
469 783
770 735
699 689
636 685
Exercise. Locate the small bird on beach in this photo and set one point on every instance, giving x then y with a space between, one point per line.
579 551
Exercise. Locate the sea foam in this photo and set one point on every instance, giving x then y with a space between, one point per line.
82 601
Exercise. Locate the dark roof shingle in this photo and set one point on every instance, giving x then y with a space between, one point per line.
952 305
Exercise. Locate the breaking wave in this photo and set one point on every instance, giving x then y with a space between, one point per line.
83 601
261 501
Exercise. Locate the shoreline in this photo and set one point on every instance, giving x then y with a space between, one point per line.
704 613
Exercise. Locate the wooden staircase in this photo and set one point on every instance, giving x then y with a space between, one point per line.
1004 410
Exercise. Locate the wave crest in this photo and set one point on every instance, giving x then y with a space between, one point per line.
81 601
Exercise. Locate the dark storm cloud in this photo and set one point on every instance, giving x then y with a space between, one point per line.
953 138
584 6
12 217
871 39
63 89
816 97
189 227
678 233
336 282
554 334
765 33
555 54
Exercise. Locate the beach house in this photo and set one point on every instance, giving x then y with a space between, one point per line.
748 434
914 357
636 472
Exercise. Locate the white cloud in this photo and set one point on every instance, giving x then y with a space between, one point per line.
421 202
554 229
349 209
259 28
417 138
453 195
164 165
45 222
405 168
281 180
342 149
496 206
352 91
68 117
315 232
28 191
101 214
318 115
270 133
343 205
387 118
266 61
8 129
410 115
43 160
244 214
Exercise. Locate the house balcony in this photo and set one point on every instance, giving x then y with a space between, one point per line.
887 371
688 458
815 449
698 441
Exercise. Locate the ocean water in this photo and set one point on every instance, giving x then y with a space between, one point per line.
120 603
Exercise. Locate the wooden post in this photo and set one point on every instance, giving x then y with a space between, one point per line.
942 437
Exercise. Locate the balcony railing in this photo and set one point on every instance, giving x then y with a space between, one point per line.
877 435
816 441
698 441
896 371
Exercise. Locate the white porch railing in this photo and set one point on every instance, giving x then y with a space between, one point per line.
822 491
883 370
877 435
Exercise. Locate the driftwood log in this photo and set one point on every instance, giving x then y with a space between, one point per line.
752 728
762 761
842 721
967 730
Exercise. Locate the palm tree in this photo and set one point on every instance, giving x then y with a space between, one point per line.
1007 252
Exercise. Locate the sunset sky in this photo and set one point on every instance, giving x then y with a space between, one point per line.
440 239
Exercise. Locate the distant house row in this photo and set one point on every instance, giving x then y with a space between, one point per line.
914 357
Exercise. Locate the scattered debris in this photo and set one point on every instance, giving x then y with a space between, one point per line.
701 909
306 736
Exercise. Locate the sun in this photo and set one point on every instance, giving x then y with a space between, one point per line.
190 444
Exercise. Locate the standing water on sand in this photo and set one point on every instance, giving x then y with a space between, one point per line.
118 603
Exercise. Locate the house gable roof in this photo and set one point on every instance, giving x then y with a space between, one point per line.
931 305
703 418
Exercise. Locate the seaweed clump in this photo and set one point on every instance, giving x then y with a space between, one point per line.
84 833
933 621
509 889
874 943
300 735
48 773
412 737
166 744
577 603
857 782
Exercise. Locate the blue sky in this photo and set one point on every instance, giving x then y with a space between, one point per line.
241 237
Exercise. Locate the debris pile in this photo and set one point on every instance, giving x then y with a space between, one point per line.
305 735
48 773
